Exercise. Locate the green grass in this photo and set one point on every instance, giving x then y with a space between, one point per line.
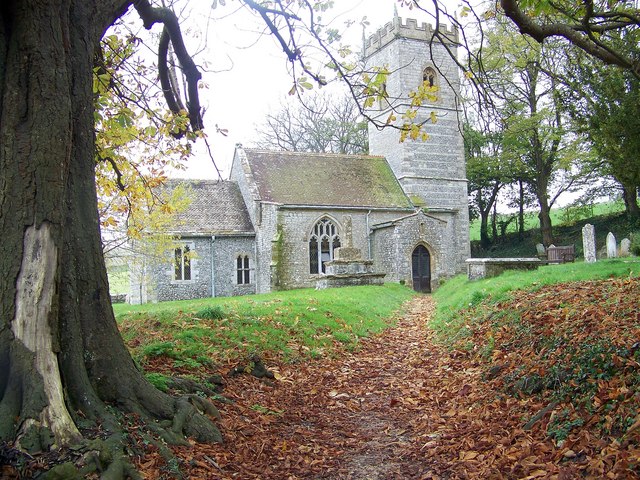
290 325
459 293
118 279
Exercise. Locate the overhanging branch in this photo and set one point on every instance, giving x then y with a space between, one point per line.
171 32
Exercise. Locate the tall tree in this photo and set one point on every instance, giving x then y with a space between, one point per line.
605 101
536 141
63 364
320 123
62 360
486 175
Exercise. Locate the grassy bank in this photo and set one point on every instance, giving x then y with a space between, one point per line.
563 340
288 326
460 294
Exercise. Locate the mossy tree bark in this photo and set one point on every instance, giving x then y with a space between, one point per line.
62 359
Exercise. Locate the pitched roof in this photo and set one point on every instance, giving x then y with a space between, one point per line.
297 178
216 208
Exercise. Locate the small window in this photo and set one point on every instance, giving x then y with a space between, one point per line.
243 275
182 263
429 77
324 240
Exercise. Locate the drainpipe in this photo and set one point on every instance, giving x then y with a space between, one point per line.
368 234
213 267
255 263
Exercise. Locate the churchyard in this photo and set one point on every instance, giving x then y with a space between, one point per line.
527 373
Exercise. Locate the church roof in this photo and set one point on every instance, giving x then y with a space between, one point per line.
215 208
321 179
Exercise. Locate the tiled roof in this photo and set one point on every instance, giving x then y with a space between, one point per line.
296 178
216 208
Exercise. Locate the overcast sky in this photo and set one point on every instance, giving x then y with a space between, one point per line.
246 75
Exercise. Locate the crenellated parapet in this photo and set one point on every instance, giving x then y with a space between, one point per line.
408 28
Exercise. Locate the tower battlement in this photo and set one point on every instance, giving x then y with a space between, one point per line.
408 28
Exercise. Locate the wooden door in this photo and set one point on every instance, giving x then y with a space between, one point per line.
421 269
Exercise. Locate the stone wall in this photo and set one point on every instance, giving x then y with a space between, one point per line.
297 225
161 273
395 242
226 250
266 236
154 281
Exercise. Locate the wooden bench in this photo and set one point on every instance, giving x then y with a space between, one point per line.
561 254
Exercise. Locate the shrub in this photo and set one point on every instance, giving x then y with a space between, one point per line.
211 313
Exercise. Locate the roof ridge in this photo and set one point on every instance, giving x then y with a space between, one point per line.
315 154
204 180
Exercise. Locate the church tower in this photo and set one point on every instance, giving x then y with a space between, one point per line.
432 171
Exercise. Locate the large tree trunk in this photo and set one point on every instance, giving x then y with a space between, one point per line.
545 221
62 358
630 196
521 209
485 241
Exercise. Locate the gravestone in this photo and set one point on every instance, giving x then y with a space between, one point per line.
625 247
611 246
589 243
540 250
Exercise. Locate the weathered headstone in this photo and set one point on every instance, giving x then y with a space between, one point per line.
540 250
589 243
611 246
625 247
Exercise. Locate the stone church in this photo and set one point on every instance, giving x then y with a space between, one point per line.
283 218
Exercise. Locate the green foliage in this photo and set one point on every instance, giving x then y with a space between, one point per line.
292 325
635 243
156 349
211 313
158 380
561 425
605 102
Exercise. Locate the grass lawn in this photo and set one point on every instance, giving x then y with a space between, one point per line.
288 326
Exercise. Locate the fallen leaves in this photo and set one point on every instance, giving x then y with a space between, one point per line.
404 407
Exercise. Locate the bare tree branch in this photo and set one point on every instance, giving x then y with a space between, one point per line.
150 16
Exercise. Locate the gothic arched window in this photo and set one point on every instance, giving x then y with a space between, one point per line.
324 240
430 76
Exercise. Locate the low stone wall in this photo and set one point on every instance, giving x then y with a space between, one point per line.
492 267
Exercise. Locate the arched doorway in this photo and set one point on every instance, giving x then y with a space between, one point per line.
421 269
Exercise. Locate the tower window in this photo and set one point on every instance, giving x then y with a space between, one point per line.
429 77
324 240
